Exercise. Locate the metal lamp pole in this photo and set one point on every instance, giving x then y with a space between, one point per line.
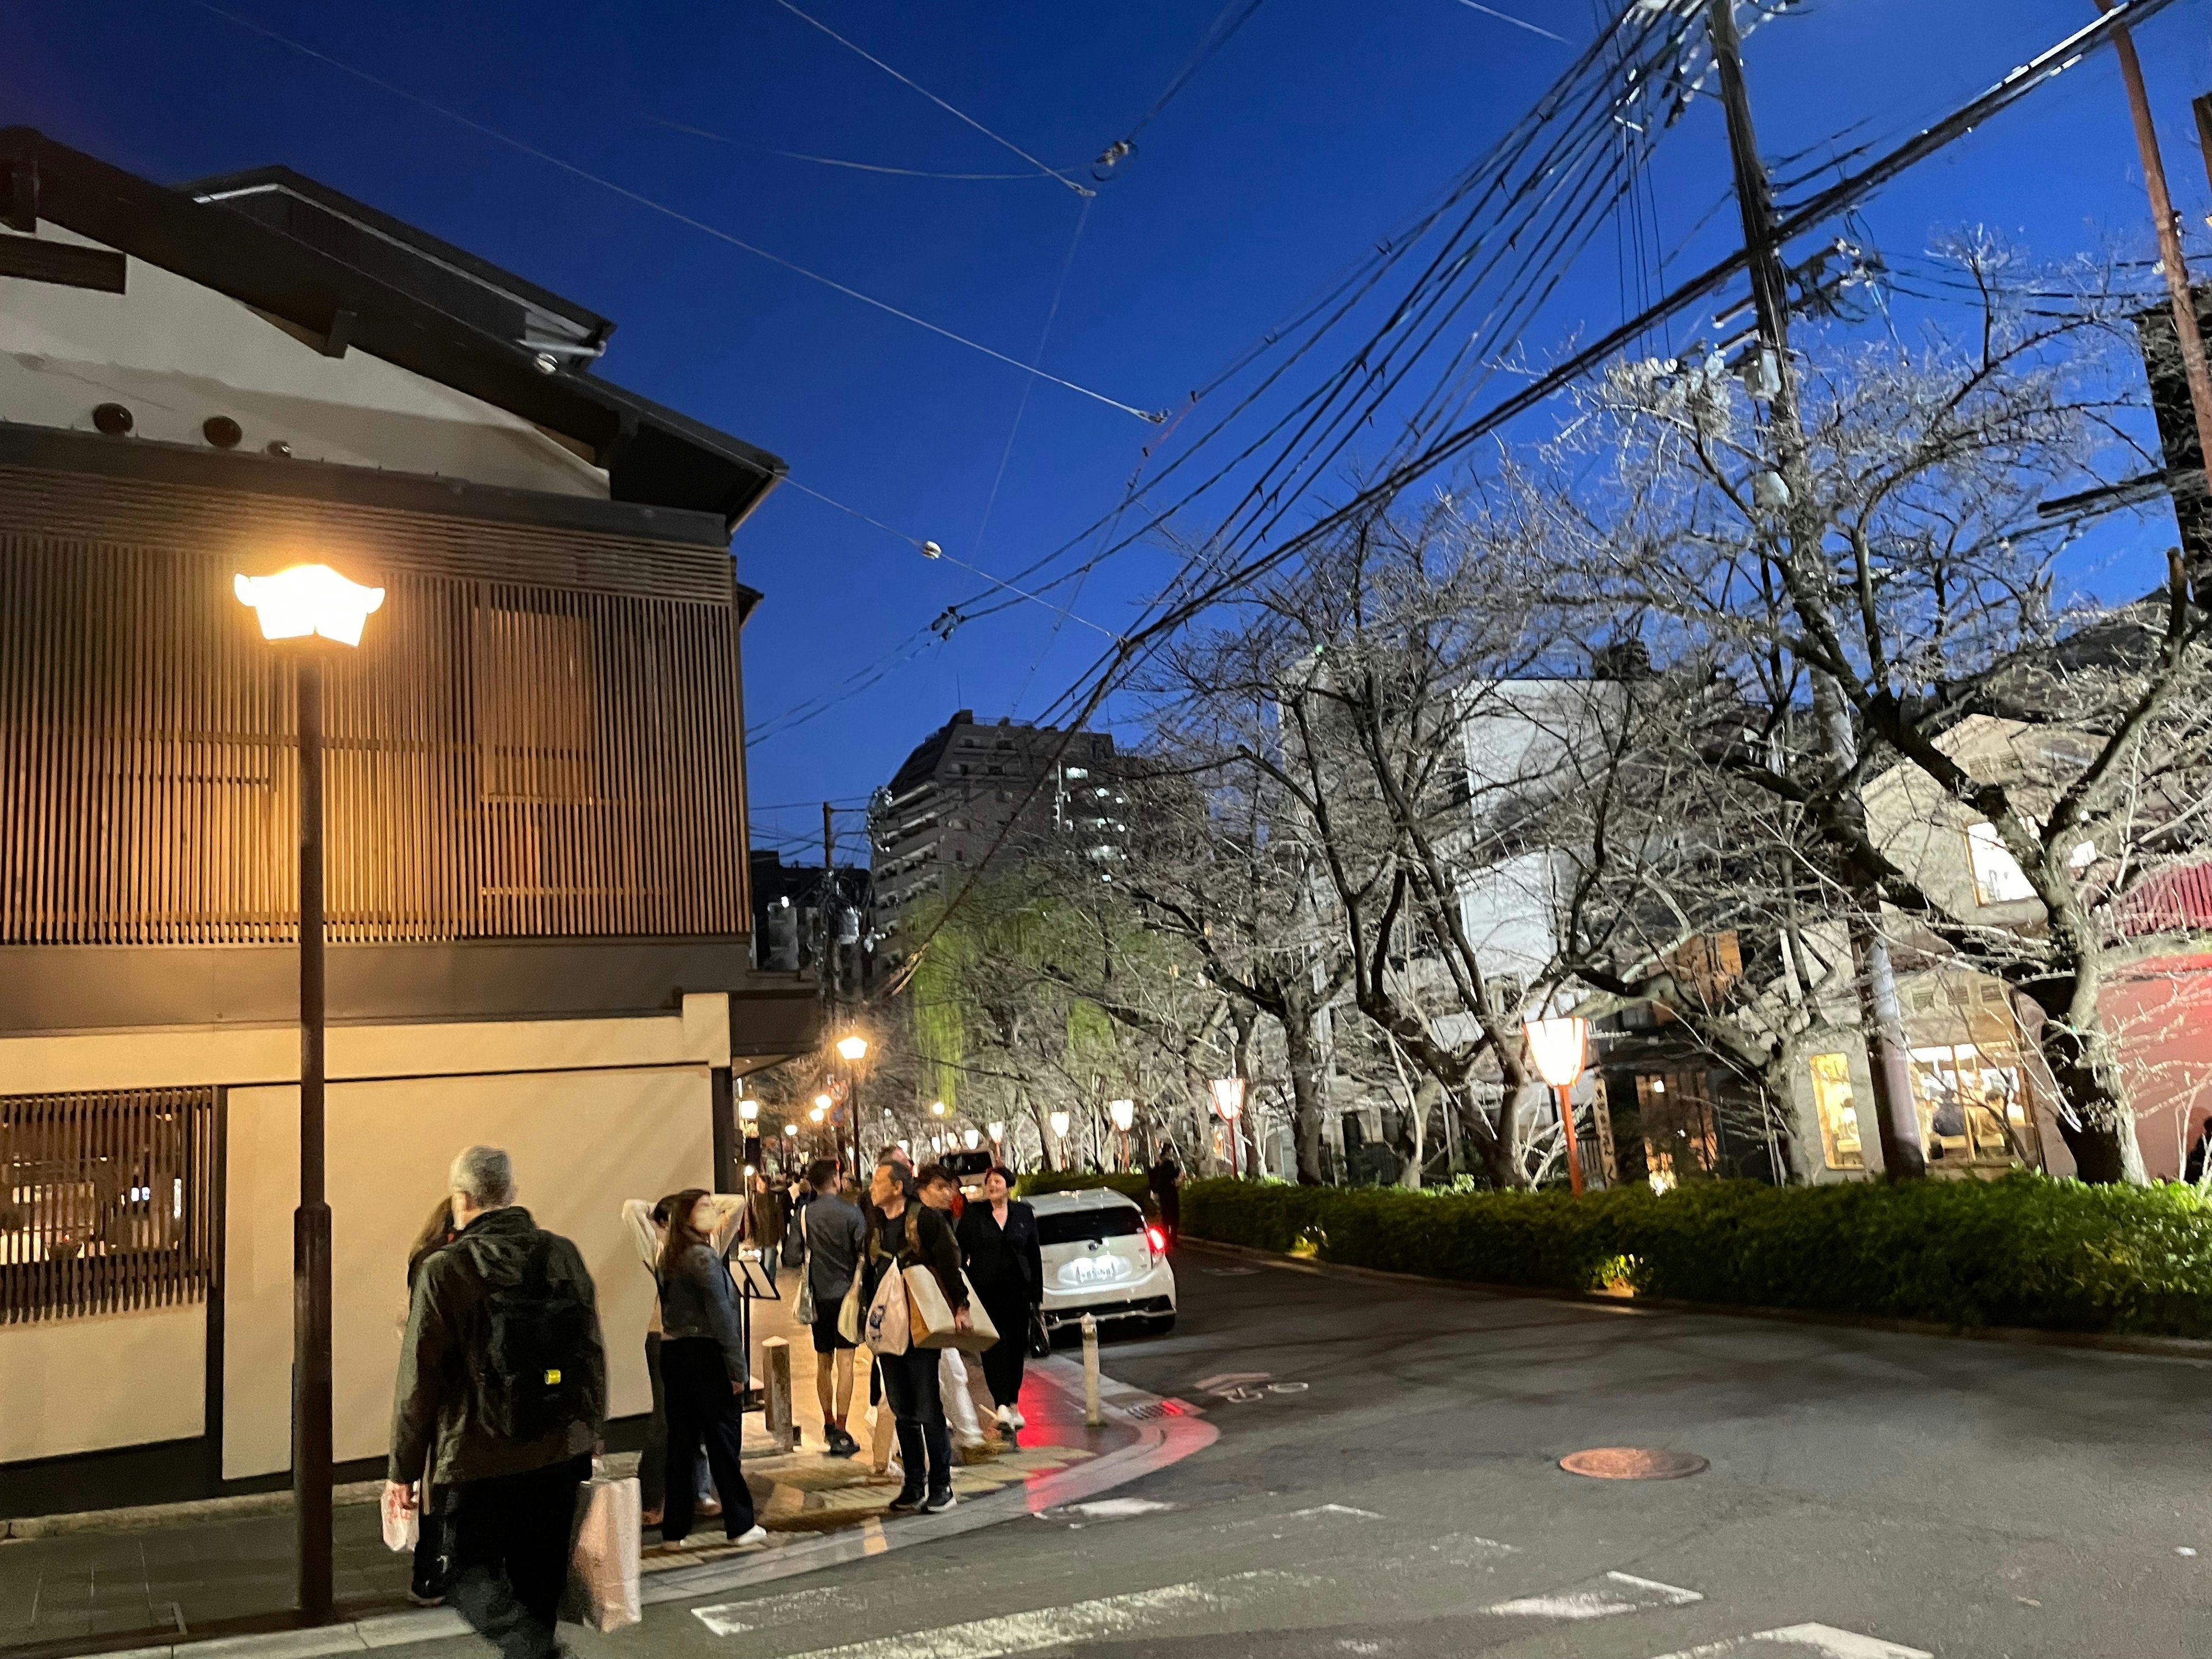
1560 1048
310 603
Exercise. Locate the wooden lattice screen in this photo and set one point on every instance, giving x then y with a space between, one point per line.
107 1201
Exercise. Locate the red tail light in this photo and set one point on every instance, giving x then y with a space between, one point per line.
1157 1240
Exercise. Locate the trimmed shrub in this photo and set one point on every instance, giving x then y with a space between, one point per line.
2026 1250
1070 1181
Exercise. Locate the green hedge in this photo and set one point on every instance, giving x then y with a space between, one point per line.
1071 1181
2026 1250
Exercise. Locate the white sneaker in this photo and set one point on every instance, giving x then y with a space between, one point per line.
1014 1412
751 1538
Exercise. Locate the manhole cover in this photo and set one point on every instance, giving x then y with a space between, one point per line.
1632 1463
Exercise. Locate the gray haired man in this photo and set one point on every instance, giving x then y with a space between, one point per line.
501 1394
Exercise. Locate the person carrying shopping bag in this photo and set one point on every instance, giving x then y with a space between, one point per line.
703 1360
902 1234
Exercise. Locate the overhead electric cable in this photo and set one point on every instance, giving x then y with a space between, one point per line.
662 208
1044 339
958 114
831 161
1503 17
1232 17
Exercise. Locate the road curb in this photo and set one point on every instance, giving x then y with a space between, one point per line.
2152 1347
1168 1431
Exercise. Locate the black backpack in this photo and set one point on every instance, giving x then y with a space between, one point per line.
540 1338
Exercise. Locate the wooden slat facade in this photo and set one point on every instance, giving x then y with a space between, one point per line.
506 758
107 1201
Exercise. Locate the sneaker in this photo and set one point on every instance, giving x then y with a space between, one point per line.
422 1601
751 1538
839 1443
1020 1422
908 1501
940 1502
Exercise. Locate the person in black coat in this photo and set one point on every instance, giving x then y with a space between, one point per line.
904 1232
999 1246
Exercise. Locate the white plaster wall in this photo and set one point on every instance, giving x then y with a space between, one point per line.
174 352
581 1142
82 1385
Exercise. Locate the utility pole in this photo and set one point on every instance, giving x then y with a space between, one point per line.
1881 1017
2168 224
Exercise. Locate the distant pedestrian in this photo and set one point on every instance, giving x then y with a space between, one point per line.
434 1536
999 1246
903 1233
940 1191
501 1394
647 1226
702 1356
2193 1170
765 1224
1164 1178
828 1241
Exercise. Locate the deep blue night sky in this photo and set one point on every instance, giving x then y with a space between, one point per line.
1319 128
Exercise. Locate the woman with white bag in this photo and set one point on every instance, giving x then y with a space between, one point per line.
902 1234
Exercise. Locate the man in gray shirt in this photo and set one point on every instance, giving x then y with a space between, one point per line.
830 1236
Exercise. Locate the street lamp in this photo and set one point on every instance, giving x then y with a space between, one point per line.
791 1129
749 1110
1560 1047
1124 1113
971 1137
1229 1100
308 603
852 1047
1060 1139
937 1109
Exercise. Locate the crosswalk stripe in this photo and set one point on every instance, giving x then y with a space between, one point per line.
1103 1617
1803 1642
1621 1592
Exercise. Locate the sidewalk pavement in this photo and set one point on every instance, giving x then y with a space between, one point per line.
182 1573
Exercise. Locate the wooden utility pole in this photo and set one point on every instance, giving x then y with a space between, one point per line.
1880 1015
2168 224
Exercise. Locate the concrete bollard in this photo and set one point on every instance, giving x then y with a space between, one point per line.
775 1363
1091 1412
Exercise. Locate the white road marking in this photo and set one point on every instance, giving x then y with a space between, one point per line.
1335 1509
1103 1618
1806 1642
1634 1596
733 1618
1229 1380
1108 1508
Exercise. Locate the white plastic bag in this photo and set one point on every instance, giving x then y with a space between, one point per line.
402 1525
603 1577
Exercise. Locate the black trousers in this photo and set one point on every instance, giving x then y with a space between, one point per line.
703 1411
510 1543
434 1553
925 1446
1003 1362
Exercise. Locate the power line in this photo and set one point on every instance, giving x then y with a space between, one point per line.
662 208
958 114
1503 17
831 161
1232 17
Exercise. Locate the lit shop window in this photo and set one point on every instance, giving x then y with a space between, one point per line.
1681 1140
1840 1118
1966 1103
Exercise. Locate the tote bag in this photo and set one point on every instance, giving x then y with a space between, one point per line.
932 1320
886 1329
805 1311
603 1568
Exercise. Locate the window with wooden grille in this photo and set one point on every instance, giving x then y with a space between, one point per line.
107 1201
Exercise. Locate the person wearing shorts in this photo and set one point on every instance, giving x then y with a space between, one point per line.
831 1239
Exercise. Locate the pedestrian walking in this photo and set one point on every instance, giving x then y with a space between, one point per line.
426 1588
765 1224
902 1233
702 1355
940 1191
1164 1178
998 1246
502 1395
827 1243
647 1226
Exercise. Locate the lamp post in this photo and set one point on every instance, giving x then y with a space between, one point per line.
1124 1113
971 1137
1229 1100
997 1131
1558 1047
852 1048
311 602
1059 1120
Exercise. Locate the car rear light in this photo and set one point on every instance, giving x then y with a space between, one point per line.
1157 1240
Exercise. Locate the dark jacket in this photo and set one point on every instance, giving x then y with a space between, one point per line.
438 1404
697 1299
828 1238
1004 1261
921 1235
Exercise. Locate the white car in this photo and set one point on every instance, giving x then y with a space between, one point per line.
1101 1258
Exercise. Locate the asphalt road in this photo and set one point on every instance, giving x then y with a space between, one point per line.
1876 1495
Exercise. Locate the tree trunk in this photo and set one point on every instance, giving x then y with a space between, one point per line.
1305 1064
2079 1051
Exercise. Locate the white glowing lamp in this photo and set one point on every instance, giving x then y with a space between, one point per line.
1229 1097
818 1113
791 1128
308 600
749 1110
996 1131
937 1109
852 1047
904 1146
1060 1125
1558 1047
1123 1112
970 1138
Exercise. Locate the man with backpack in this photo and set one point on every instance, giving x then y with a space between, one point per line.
501 1394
